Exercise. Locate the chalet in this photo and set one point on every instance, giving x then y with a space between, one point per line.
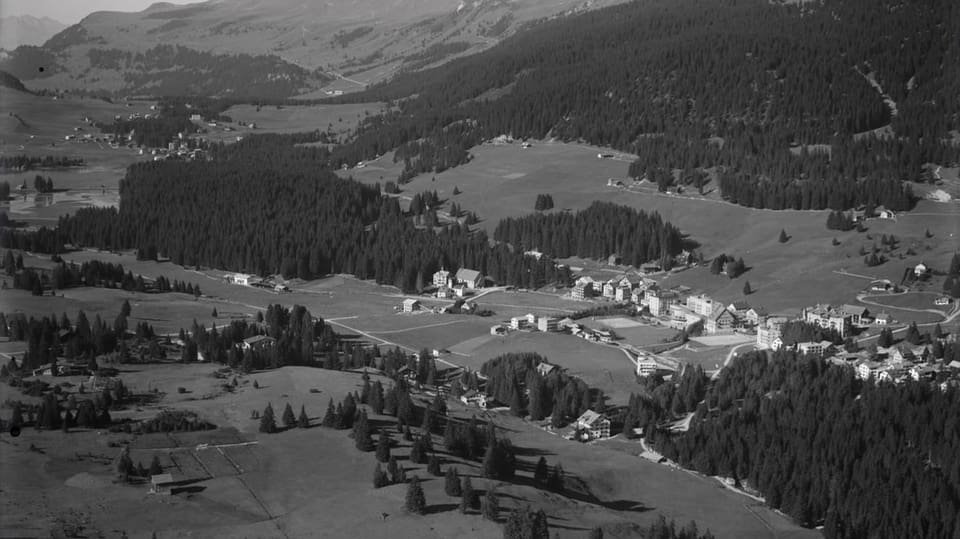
161 484
880 286
887 214
441 278
923 372
857 313
545 368
954 365
636 296
258 342
920 270
883 318
567 323
622 292
411 305
196 118
613 259
240 278
755 315
593 425
776 344
281 288
720 320
531 319
444 292
459 290
604 336
547 323
472 279
476 398
609 289
814 348
739 308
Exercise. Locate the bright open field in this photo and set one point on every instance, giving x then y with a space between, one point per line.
340 119
503 181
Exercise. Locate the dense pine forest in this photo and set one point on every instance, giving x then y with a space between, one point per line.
266 206
596 232
745 87
861 459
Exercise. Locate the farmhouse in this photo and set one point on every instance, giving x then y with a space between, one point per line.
883 318
920 270
441 278
258 342
545 368
472 279
593 425
240 278
942 300
444 292
411 305
161 484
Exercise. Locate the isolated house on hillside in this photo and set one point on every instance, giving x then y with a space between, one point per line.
411 305
161 484
594 425
472 279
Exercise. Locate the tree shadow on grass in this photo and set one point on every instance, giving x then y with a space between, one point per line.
441 507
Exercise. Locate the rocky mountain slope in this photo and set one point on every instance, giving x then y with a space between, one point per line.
293 47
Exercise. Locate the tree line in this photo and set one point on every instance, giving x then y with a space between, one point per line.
23 162
858 458
600 230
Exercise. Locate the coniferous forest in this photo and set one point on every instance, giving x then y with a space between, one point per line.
859 458
275 209
787 119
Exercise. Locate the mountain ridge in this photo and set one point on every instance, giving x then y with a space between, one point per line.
369 40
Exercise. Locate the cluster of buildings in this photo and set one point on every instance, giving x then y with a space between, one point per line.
901 363
245 279
553 324
458 284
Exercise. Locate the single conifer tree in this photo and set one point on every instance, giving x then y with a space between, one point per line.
302 420
383 446
268 423
155 467
490 508
289 420
415 502
541 473
468 496
451 483
433 465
